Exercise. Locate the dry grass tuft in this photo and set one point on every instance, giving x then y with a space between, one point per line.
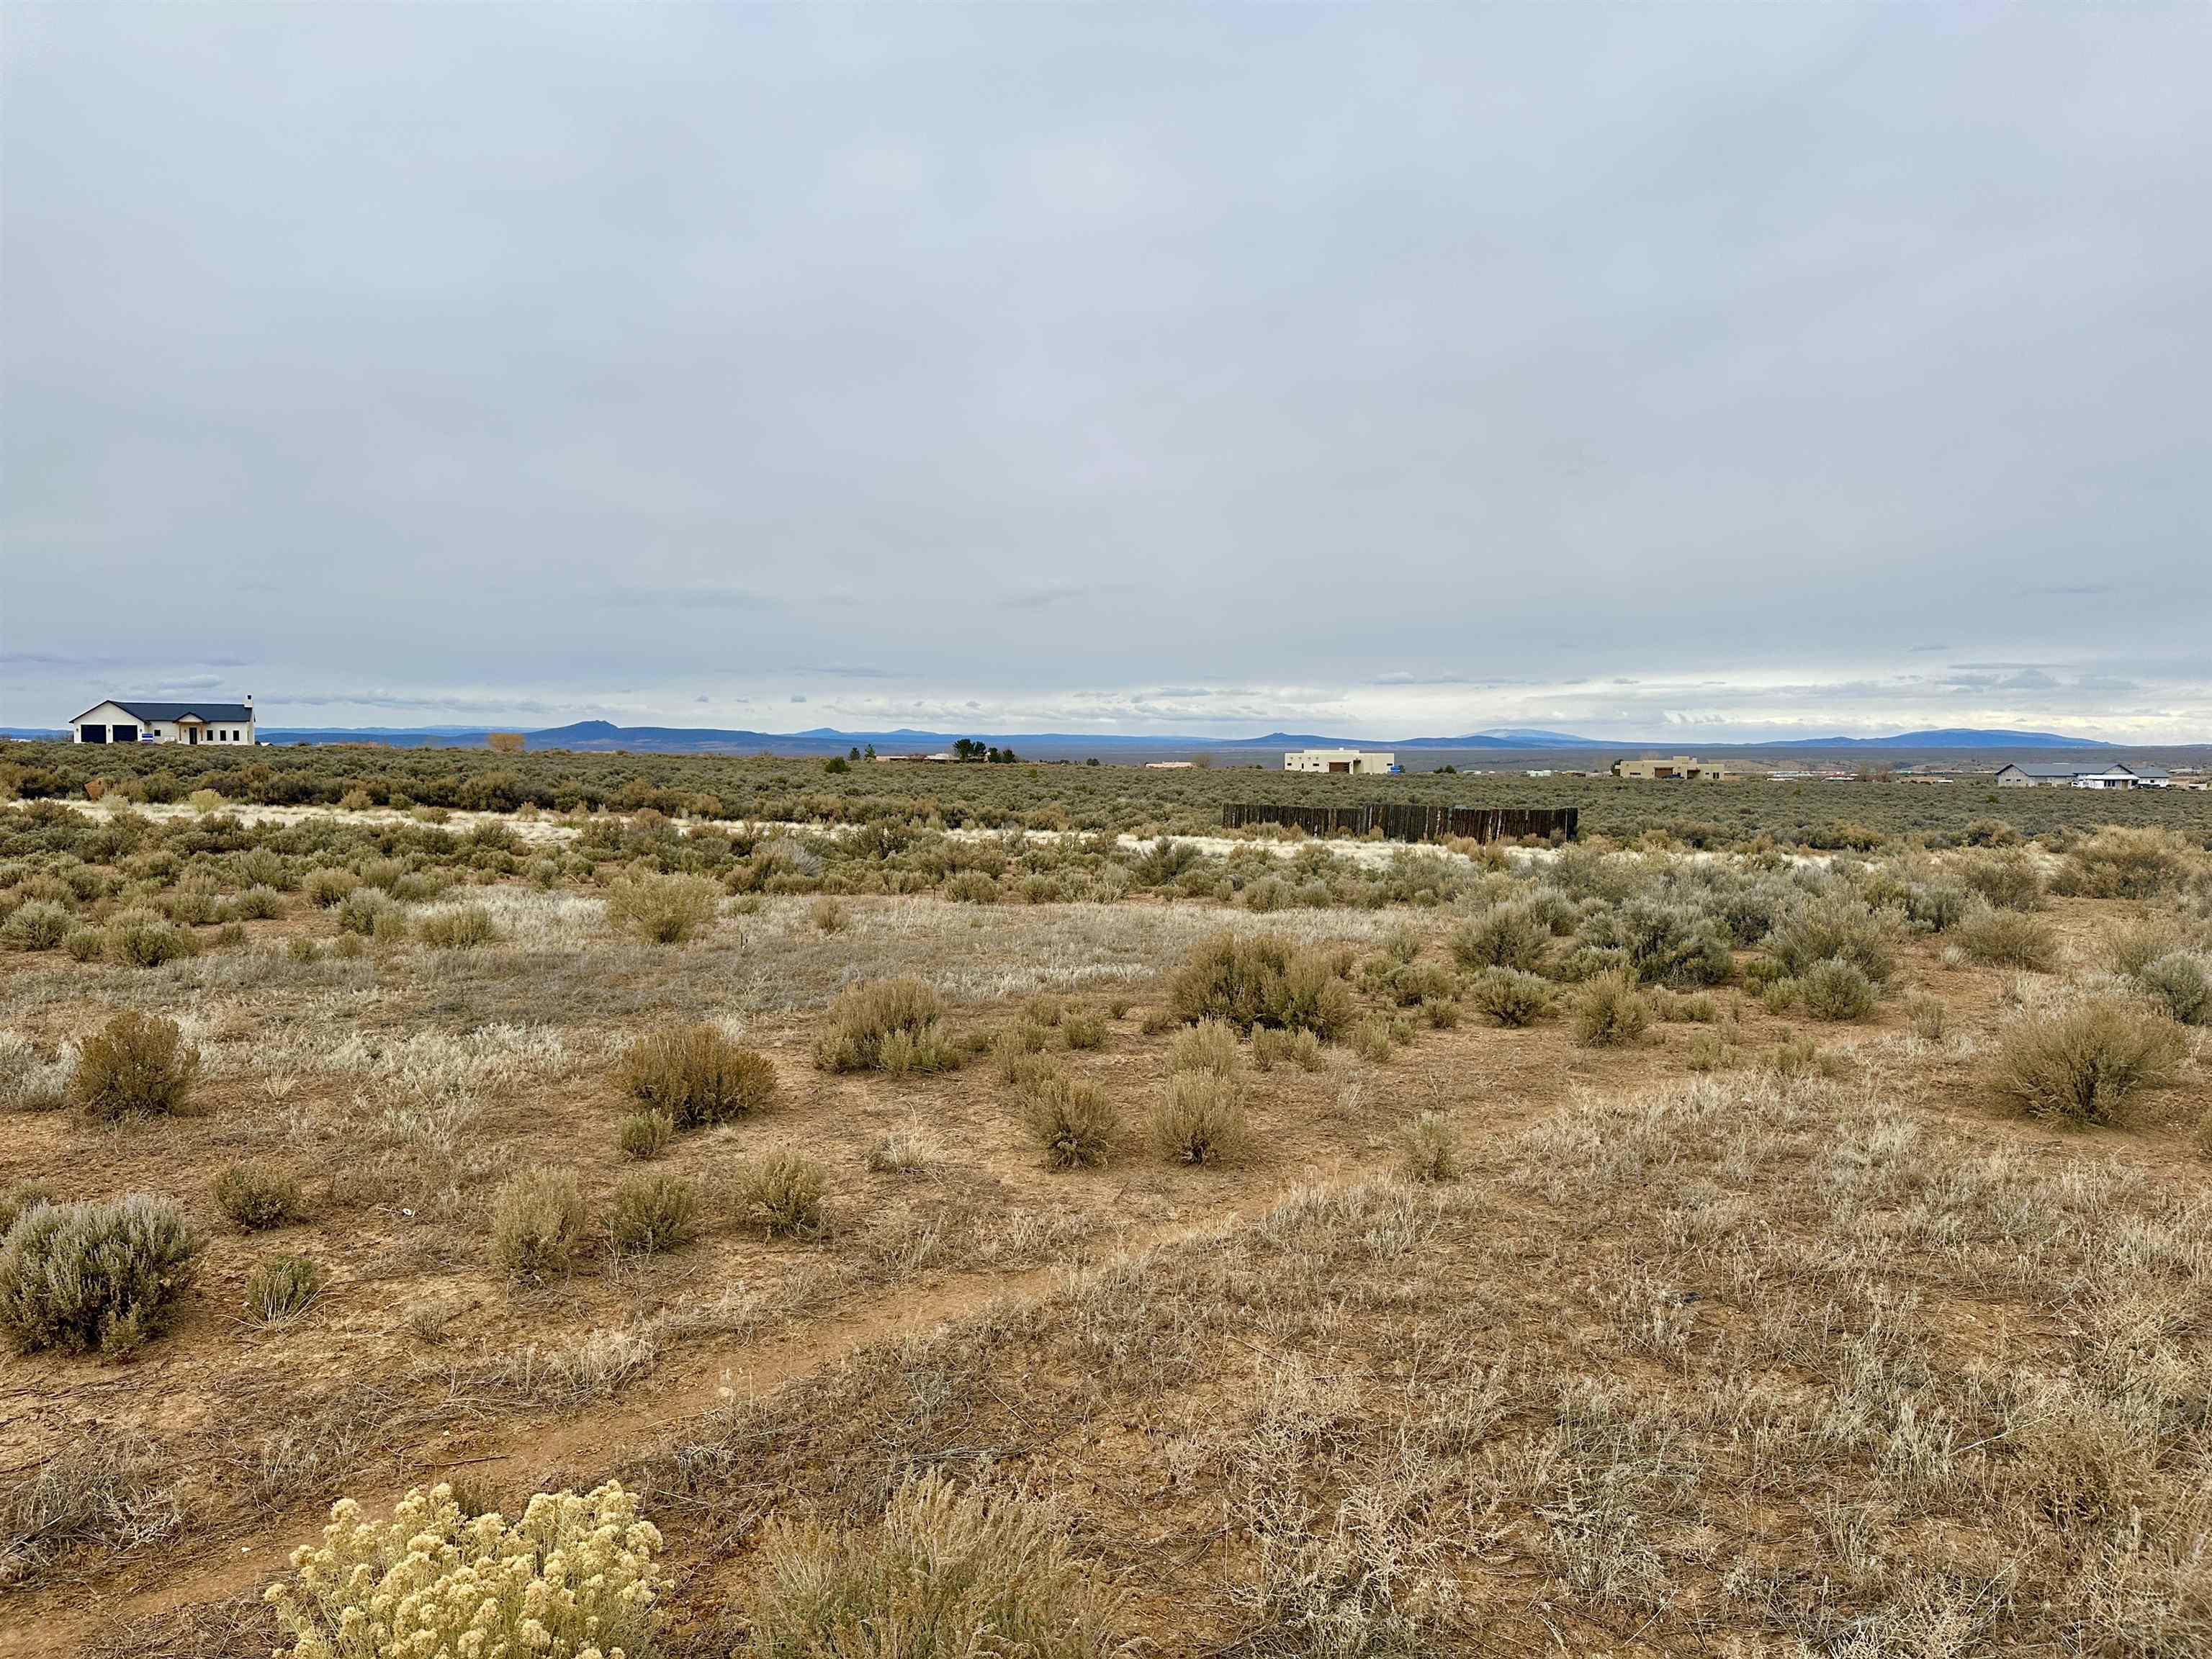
1211 1047
1201 1120
1429 1149
947 1572
279 1290
538 1222
782 1193
644 1135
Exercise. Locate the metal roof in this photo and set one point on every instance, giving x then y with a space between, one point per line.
240 713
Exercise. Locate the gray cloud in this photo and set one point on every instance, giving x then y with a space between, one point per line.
1391 370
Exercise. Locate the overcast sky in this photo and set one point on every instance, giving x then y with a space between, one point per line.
1739 371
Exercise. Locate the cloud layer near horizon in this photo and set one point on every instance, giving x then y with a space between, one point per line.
1380 371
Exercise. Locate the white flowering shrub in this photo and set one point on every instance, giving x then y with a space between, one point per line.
573 1579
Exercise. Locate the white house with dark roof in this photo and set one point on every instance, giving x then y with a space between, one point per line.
2115 775
138 721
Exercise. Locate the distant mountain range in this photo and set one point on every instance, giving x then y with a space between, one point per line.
604 736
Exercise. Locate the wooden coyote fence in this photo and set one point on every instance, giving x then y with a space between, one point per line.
1410 823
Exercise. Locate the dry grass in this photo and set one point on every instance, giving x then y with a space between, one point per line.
1496 1347
538 1223
782 1194
280 1290
947 1571
107 1493
1201 1118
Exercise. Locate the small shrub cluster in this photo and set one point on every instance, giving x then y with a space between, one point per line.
652 1213
1272 1046
1201 1118
2009 939
257 1196
1262 981
1837 990
1610 1011
697 1075
538 1222
1505 936
2085 1064
782 1194
1509 996
143 938
571 1575
96 1277
2007 880
663 909
893 1025
2122 862
1836 923
137 1065
462 927
1070 1118
1210 1046
2182 985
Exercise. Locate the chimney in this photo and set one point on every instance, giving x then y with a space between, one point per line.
249 700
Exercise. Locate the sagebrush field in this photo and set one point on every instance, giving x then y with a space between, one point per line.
694 1207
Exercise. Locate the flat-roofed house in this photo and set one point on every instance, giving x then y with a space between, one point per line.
1673 768
1341 760
136 720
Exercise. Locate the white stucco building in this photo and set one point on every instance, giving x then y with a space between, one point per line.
1341 760
138 721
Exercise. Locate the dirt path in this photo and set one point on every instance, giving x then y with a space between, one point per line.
685 1384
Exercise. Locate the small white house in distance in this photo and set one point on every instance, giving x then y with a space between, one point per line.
1341 760
2117 775
138 720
